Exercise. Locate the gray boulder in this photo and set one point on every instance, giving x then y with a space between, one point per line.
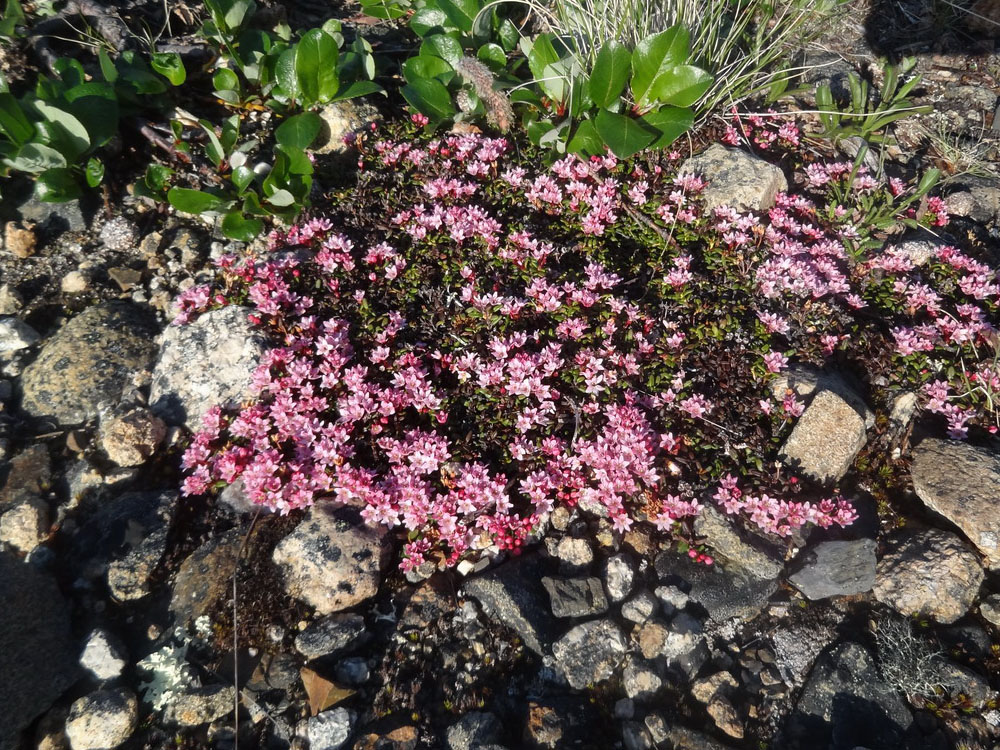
86 365
204 363
332 561
590 652
575 597
826 438
962 483
102 720
736 178
836 569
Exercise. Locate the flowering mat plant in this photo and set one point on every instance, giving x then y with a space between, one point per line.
513 338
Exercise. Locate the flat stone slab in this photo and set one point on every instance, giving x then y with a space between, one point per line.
962 483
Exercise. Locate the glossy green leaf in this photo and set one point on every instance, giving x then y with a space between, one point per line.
170 66
13 122
683 86
94 171
236 226
541 53
670 123
242 177
194 201
358 88
98 113
461 13
70 71
316 66
57 186
427 66
428 20
625 136
13 16
586 141
156 176
225 80
284 73
429 97
138 75
281 198
654 58
610 73
493 55
446 47
299 131
508 35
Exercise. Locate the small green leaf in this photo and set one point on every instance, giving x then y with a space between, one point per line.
36 157
194 201
226 80
170 66
299 131
493 55
461 13
428 19
429 97
670 123
284 73
57 186
156 176
236 226
316 66
653 58
446 47
427 66
586 141
611 71
625 136
683 86
281 198
65 131
13 16
13 122
508 35
358 88
94 171
242 177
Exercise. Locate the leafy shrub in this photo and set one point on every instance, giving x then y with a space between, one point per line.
56 131
247 193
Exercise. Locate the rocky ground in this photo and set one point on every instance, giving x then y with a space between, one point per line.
136 618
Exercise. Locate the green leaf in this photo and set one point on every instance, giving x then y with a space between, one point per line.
493 55
213 149
65 131
138 75
236 226
226 80
654 58
57 186
284 73
508 35
586 140
429 97
683 86
460 12
428 19
194 201
170 66
238 12
242 177
13 122
70 71
108 69
298 132
427 66
446 47
625 136
13 16
156 176
358 88
316 66
611 71
36 157
281 198
96 106
540 53
94 171
385 9
670 123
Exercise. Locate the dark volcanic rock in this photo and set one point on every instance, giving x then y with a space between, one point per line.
845 704
512 594
37 655
88 362
205 577
836 569
575 597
